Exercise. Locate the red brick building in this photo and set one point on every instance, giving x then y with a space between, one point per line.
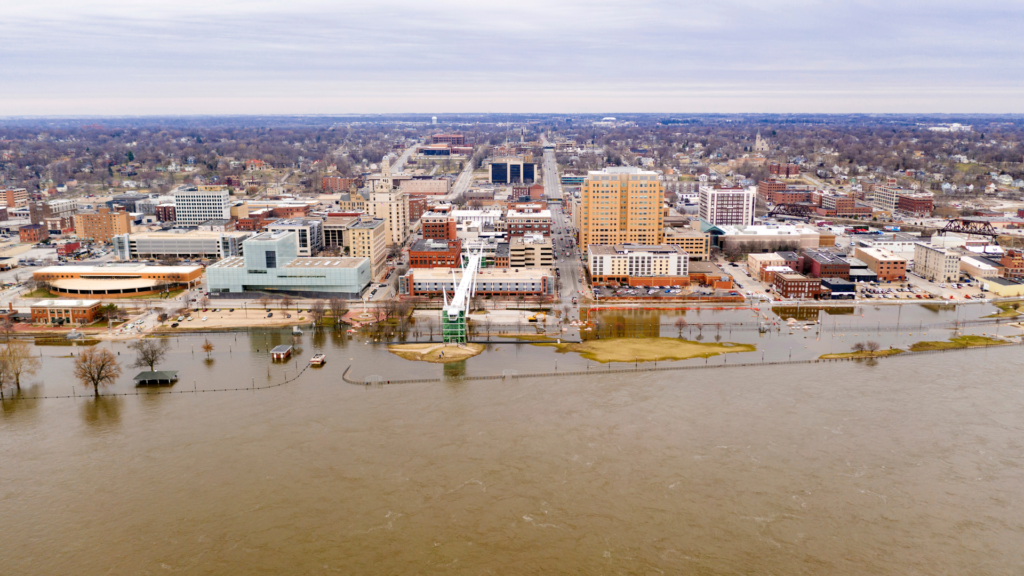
33 234
290 211
798 286
453 139
68 248
438 226
255 223
784 170
920 204
165 213
65 311
340 184
1013 265
431 253
417 206
821 264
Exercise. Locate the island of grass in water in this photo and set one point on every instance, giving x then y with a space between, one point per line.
648 349
436 353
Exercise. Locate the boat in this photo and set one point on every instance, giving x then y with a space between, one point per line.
296 331
318 360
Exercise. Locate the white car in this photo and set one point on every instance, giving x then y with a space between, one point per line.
204 319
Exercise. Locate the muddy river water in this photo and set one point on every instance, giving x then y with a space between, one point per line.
908 465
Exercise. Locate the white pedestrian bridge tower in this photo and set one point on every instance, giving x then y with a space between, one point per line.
453 315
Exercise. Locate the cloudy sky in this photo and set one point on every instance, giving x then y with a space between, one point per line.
87 57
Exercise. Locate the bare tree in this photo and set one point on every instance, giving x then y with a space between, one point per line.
208 348
149 352
337 306
872 346
264 301
317 311
858 347
19 361
97 367
7 325
4 375
204 301
286 302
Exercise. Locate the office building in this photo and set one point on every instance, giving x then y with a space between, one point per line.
511 171
528 219
431 253
368 239
103 225
621 206
178 243
271 265
639 265
195 205
118 280
507 282
58 215
727 206
886 265
438 225
798 287
936 264
310 232
453 139
14 197
531 251
694 242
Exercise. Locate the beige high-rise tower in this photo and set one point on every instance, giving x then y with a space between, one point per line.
621 206
391 205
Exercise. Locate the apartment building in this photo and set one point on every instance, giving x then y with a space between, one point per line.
368 239
103 225
842 205
694 242
639 265
727 206
918 204
310 233
195 205
530 251
340 183
528 219
63 211
14 197
887 266
936 264
621 205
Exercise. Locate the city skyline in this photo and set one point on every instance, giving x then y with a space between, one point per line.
313 57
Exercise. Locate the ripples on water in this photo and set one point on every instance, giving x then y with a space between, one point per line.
910 466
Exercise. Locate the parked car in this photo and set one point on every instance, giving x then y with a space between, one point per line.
175 325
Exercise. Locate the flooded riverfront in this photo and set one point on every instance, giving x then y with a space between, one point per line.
904 466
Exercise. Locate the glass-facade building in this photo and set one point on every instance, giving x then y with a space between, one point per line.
271 264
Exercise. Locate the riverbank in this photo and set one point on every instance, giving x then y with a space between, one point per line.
436 353
648 349
958 342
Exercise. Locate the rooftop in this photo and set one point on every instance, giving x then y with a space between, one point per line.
186 234
484 274
65 303
432 245
121 270
606 249
343 262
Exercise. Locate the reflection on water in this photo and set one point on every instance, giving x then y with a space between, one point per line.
103 412
849 468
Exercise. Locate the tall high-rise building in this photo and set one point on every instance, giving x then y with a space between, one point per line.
103 225
391 205
194 205
621 206
727 206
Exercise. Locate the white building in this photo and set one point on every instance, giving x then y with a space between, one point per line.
195 205
179 244
621 262
727 206
484 217
936 264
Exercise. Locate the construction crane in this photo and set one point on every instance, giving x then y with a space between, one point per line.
453 315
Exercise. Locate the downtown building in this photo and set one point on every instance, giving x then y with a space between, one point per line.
621 206
194 205
727 206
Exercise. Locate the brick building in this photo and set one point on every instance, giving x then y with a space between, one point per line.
886 265
65 311
821 264
340 183
783 170
918 204
528 220
798 286
164 212
33 234
453 139
439 226
417 206
431 253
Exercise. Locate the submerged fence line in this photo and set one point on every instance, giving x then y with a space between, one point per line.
512 374
194 390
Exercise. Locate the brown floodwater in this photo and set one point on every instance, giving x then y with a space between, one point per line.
910 466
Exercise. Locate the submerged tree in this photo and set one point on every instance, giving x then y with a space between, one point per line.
208 348
149 353
19 361
97 367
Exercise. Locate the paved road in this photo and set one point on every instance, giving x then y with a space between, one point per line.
552 183
462 182
400 163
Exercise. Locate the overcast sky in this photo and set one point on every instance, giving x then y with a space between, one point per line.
85 57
